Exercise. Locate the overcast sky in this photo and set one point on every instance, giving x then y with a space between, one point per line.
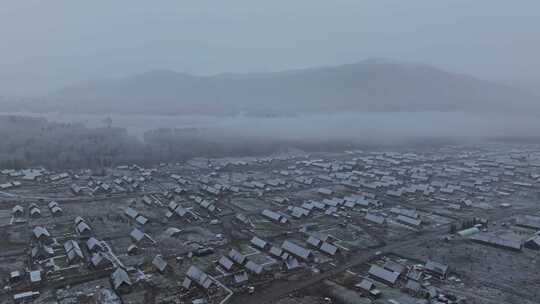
49 43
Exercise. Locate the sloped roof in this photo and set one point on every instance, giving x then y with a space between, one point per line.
56 210
236 256
276 251
271 214
35 276
254 267
296 250
132 213
93 244
198 276
78 220
120 277
413 285
99 259
405 212
42 251
39 231
241 277
313 241
409 221
533 241
375 218
83 227
257 242
159 263
436 267
329 248
172 231
226 263
70 245
73 250
298 212
173 205
291 263
141 219
491 239
395 267
17 208
137 234
180 211
365 284
383 274
35 211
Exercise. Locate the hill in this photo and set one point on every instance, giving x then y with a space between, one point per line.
369 86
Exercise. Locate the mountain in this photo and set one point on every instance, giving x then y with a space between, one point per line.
372 85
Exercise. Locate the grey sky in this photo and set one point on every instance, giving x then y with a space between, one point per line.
47 44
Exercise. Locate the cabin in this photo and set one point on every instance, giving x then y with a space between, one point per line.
41 234
141 238
259 243
100 260
17 211
197 276
384 276
94 245
159 263
120 281
254 267
297 250
41 252
73 252
436 269
226 263
83 229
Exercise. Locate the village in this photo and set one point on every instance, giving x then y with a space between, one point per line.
450 224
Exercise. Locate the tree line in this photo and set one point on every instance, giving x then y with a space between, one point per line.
31 142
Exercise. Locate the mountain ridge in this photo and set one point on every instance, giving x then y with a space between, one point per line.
367 86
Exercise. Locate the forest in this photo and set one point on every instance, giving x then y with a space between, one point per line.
34 142
29 141
37 142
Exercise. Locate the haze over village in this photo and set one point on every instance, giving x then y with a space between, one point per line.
290 152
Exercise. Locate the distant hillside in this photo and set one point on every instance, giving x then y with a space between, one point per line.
362 87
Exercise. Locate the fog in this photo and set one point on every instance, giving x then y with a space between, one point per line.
380 128
277 151
49 44
403 128
155 82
